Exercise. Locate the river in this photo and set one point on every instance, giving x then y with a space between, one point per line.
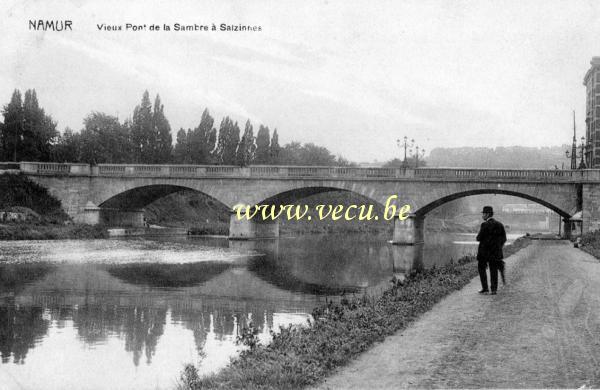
129 313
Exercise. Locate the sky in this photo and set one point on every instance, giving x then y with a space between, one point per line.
353 76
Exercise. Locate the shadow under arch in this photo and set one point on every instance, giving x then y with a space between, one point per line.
168 275
296 194
140 197
422 212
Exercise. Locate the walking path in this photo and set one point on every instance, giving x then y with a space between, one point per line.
541 330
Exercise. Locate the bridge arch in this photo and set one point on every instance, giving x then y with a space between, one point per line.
295 194
425 209
126 207
411 230
141 196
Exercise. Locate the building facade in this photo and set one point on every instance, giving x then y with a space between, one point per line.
592 114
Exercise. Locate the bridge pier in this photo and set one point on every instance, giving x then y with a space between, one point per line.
94 215
118 217
567 228
409 231
243 229
407 258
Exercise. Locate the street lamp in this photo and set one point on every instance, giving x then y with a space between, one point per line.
406 145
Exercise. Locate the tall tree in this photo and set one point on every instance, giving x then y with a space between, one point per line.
28 133
262 145
39 130
203 139
181 152
13 127
142 135
229 138
246 148
274 149
163 146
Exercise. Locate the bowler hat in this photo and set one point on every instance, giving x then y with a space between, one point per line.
488 209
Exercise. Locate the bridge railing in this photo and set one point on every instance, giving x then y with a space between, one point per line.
499 173
270 171
48 168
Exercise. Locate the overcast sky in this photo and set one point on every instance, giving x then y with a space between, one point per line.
353 76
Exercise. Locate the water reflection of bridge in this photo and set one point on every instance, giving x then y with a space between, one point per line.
138 302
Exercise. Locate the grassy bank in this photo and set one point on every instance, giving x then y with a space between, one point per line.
590 243
301 356
30 231
45 218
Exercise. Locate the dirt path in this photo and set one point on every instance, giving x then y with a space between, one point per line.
541 330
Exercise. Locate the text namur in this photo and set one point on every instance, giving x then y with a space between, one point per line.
51 25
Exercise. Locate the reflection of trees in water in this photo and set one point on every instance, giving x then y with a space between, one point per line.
143 328
140 326
19 329
168 275
14 276
197 322
226 322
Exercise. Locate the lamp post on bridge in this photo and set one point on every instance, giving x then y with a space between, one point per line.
407 146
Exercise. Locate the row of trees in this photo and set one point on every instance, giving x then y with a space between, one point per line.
27 130
29 134
202 146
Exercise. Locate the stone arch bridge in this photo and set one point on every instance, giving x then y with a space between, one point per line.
122 190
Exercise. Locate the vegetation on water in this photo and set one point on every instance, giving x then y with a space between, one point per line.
300 356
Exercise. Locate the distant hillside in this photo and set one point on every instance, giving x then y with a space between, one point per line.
500 157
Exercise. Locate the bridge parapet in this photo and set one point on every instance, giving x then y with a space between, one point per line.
313 172
48 168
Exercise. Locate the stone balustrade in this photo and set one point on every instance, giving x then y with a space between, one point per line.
313 172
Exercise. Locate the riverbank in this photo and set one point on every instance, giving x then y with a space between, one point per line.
540 331
590 243
31 231
302 356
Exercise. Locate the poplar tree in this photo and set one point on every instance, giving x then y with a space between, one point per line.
13 127
229 138
203 139
275 149
28 133
142 135
163 146
262 145
246 148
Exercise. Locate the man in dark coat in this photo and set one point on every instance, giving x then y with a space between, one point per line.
491 238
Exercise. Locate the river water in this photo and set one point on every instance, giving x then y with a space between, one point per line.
129 313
